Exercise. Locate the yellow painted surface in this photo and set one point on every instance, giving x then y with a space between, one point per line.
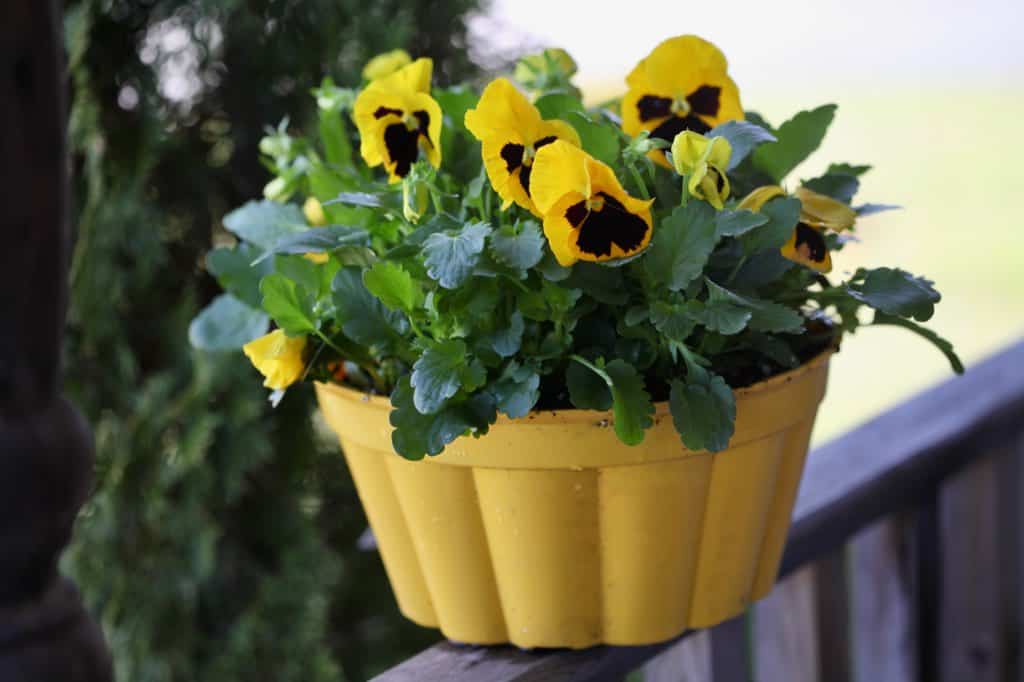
548 532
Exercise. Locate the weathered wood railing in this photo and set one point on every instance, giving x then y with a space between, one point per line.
903 563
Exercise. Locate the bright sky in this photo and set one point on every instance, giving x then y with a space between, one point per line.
788 43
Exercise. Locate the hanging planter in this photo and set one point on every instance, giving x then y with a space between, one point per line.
550 532
573 355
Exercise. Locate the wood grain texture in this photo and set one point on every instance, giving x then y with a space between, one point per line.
884 638
892 463
785 637
971 633
687 661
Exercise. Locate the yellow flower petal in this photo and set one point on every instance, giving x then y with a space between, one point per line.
759 197
560 232
512 132
559 169
278 357
682 84
386 64
413 77
397 118
584 203
819 210
807 247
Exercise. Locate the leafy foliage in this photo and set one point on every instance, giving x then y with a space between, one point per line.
221 540
458 308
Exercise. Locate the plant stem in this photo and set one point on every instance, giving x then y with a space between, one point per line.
685 195
735 271
593 368
641 185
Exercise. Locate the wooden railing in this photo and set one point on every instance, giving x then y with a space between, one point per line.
902 564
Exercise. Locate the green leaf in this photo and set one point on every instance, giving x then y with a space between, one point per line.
673 321
288 304
337 148
318 240
551 270
797 138
871 209
520 247
506 342
599 140
743 137
437 375
417 434
395 287
840 186
264 222
235 272
783 214
895 292
356 199
942 344
599 282
587 389
681 245
762 268
847 169
721 315
226 324
703 410
632 404
735 223
559 105
516 391
455 102
362 316
450 259
765 316
305 273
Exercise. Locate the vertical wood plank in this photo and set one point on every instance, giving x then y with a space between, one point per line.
785 638
927 579
730 651
687 661
1010 468
970 630
833 618
883 632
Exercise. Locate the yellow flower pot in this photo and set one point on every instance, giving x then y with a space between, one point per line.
549 532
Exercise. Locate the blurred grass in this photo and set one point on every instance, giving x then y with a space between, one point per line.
952 158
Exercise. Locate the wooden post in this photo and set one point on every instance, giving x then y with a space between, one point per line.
45 447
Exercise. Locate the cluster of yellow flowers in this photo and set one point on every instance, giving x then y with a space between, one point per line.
676 94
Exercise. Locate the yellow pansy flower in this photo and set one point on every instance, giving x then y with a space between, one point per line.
511 132
703 160
278 357
682 84
818 213
397 117
314 213
587 214
385 64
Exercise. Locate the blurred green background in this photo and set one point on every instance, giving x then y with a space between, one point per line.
222 541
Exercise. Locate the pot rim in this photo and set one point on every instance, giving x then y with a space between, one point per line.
572 414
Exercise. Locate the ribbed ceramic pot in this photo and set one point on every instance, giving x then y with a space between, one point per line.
549 532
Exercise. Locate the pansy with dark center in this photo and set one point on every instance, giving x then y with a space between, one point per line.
587 214
818 213
397 119
512 131
681 85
